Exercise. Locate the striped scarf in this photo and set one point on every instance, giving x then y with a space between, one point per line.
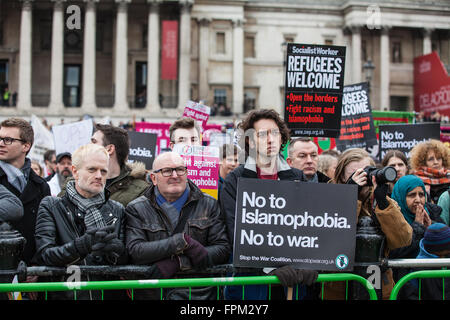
92 216
432 176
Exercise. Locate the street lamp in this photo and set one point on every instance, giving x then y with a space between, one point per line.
368 68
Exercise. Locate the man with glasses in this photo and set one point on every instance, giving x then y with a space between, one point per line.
16 139
303 154
185 131
175 226
263 134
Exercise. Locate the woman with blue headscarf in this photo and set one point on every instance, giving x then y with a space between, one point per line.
410 194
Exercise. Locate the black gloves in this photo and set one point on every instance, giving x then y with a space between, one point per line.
195 251
83 244
289 276
99 241
380 193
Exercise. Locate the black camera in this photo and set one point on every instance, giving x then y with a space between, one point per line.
382 176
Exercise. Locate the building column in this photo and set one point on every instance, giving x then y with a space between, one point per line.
25 57
356 54
88 104
427 32
121 58
384 69
184 83
203 59
153 60
57 72
238 66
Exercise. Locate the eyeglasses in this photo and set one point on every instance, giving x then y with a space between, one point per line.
9 140
168 172
265 133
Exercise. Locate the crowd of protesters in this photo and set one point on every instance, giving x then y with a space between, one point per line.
92 207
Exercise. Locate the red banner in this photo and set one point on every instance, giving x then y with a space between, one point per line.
169 52
431 85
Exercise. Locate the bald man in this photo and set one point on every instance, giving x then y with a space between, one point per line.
175 226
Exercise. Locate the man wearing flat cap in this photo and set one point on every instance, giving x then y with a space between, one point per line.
63 171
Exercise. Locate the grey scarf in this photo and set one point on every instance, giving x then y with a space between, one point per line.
89 206
18 178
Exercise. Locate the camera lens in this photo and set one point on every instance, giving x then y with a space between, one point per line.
390 174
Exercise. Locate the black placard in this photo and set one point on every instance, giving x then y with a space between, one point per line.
286 222
142 147
313 89
404 137
357 127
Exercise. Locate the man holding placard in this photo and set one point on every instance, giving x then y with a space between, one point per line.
264 134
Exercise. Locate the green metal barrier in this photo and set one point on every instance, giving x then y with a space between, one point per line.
173 283
420 275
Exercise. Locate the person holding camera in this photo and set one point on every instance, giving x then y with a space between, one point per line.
355 166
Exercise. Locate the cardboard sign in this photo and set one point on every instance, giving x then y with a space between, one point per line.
43 141
162 132
203 166
198 112
431 85
286 222
142 148
404 137
357 127
68 137
313 89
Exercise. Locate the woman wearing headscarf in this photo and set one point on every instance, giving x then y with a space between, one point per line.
410 194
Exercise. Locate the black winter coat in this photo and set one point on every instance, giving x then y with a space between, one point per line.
35 190
59 223
228 193
150 236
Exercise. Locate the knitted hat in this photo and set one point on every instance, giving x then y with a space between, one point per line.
437 238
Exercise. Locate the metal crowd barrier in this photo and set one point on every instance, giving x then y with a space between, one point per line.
160 283
423 274
144 272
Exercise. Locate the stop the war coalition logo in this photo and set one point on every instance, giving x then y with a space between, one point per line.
314 85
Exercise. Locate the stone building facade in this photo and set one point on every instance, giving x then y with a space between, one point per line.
67 58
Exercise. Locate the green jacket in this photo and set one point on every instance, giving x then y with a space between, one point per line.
129 185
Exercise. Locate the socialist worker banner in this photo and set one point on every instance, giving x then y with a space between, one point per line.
169 50
313 89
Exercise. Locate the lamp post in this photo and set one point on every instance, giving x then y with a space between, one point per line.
368 68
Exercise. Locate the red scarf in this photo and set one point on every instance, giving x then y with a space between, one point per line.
266 176
432 176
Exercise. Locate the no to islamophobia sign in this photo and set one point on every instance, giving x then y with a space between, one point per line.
286 222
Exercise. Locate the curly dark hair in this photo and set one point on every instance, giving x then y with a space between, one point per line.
256 115
420 151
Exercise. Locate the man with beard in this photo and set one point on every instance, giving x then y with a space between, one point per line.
63 171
